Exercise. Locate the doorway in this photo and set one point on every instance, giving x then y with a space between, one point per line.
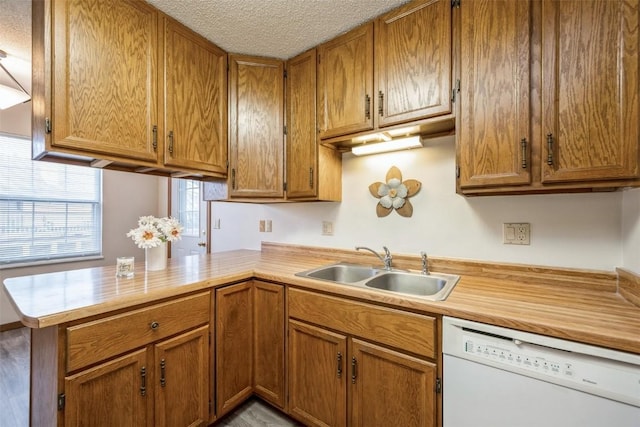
187 206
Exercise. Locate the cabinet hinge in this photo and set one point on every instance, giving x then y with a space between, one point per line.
227 164
284 129
457 171
61 401
47 125
455 3
455 91
284 186
438 385
285 74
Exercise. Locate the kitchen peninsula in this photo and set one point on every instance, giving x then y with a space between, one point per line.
87 320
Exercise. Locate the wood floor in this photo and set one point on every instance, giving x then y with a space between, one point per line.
14 390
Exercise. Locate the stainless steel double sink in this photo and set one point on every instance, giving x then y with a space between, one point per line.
432 286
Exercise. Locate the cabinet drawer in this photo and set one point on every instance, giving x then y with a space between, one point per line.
101 339
410 332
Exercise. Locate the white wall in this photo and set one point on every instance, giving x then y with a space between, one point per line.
631 230
570 230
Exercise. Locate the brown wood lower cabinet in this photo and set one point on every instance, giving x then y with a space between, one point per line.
269 342
317 373
338 379
165 384
182 391
234 347
390 388
116 393
250 344
148 366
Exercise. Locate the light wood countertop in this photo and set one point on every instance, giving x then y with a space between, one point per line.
579 305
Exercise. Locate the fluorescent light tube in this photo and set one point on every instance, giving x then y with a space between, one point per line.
383 147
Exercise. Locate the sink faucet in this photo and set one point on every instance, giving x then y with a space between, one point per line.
387 256
425 263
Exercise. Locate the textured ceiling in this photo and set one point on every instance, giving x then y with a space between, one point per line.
15 28
275 28
15 40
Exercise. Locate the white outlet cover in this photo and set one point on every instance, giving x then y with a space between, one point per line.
516 233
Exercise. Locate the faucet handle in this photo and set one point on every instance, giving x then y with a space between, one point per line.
425 262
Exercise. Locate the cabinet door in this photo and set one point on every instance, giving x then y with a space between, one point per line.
195 101
345 83
495 89
182 379
116 393
413 62
302 145
256 116
234 349
590 75
390 388
317 375
268 341
105 78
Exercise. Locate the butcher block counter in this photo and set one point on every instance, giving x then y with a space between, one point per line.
580 305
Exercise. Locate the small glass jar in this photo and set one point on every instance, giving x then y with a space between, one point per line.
125 266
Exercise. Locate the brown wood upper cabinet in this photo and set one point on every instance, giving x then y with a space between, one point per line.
125 87
314 172
195 107
96 88
256 127
546 96
590 103
412 80
494 124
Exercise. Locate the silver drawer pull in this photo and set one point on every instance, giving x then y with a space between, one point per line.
154 325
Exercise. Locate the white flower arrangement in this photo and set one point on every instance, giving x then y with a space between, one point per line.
152 231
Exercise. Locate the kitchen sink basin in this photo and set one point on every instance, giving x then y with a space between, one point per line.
341 273
433 286
408 283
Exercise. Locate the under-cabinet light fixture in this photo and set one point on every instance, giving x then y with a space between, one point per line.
10 96
383 147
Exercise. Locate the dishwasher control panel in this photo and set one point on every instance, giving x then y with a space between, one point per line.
548 359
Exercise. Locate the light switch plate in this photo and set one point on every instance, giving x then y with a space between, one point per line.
327 228
516 233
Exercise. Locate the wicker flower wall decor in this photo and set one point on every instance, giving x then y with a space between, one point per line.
394 193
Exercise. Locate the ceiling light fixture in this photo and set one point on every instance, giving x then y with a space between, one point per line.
10 96
383 147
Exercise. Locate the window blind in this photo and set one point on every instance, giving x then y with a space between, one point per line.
48 211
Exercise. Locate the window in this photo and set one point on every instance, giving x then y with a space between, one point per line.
189 206
48 211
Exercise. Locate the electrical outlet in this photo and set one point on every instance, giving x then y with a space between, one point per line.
267 225
327 228
516 233
261 227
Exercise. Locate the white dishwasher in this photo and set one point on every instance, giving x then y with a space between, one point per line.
499 377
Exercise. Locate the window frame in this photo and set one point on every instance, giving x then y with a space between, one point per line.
59 208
